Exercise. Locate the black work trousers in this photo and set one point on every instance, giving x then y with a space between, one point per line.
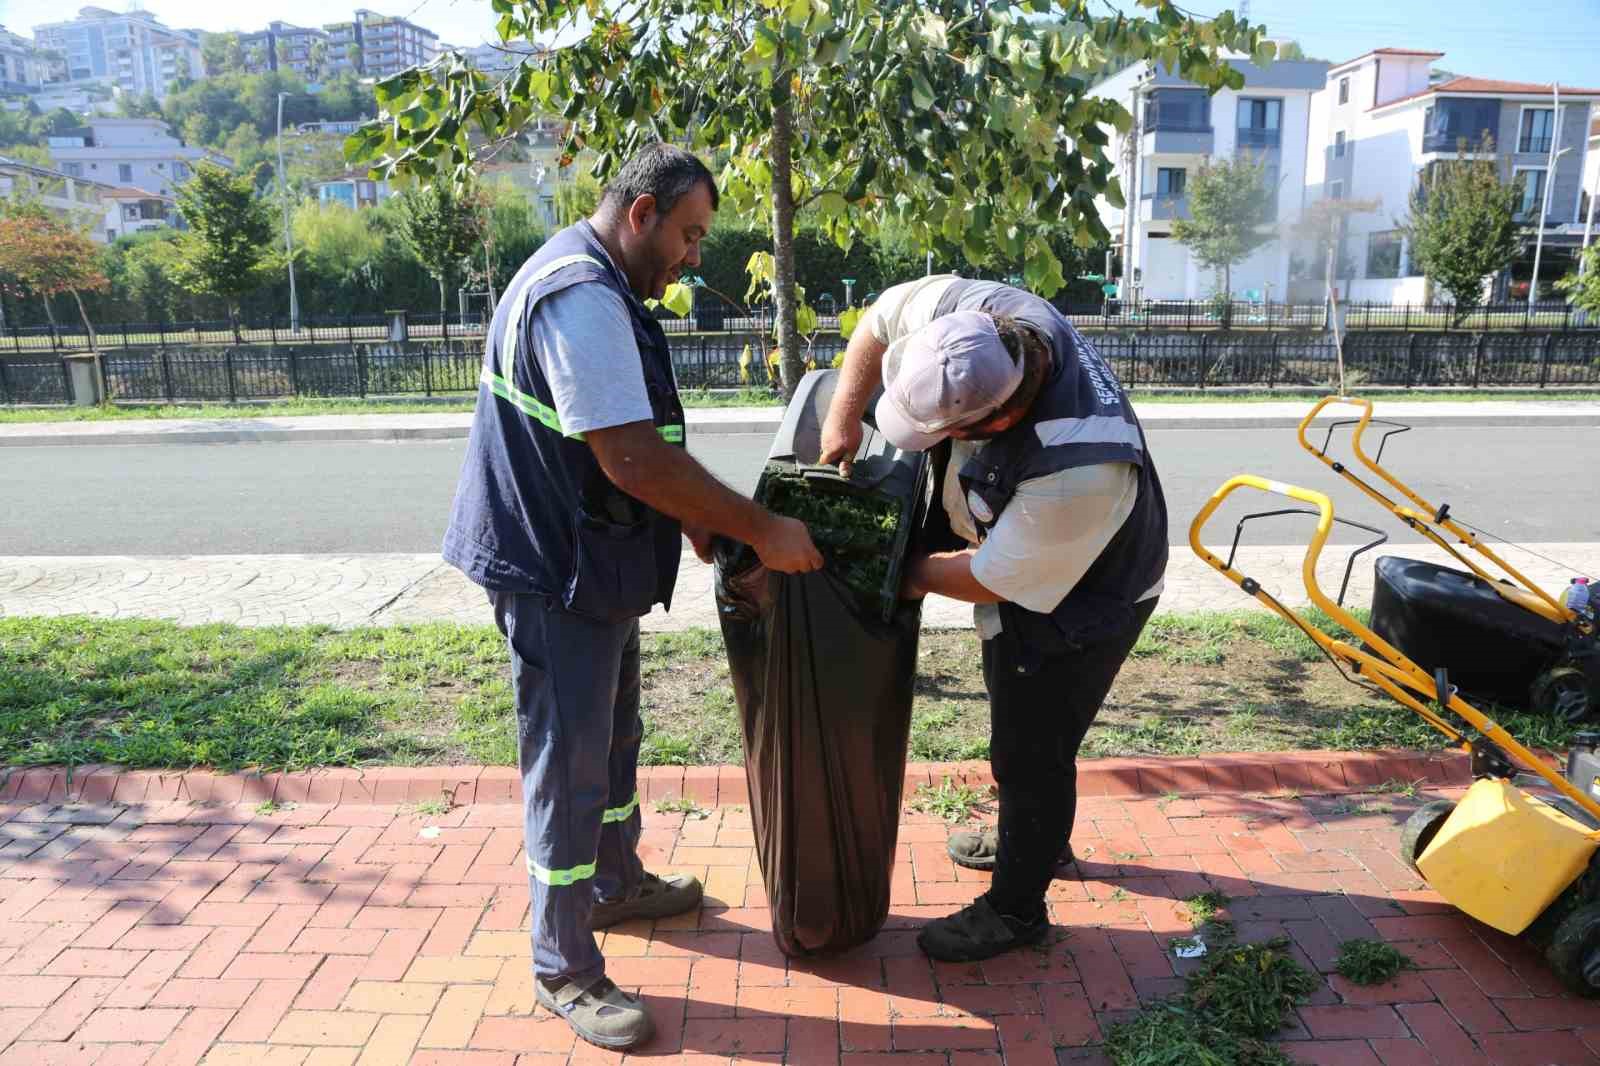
1039 712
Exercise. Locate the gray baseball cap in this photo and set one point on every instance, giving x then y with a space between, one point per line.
953 372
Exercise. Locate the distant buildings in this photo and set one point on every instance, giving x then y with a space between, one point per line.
105 212
136 152
282 46
132 51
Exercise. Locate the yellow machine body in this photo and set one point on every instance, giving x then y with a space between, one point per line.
1503 857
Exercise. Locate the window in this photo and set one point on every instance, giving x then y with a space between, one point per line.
1170 181
1258 123
1344 90
180 171
1537 125
1457 119
124 171
72 170
1178 109
1532 181
130 211
1338 145
1383 254
111 235
1336 190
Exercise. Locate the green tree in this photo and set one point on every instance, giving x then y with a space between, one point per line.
442 226
144 105
968 122
1583 287
1231 206
221 53
250 156
56 122
142 268
1462 225
514 232
317 59
576 200
227 250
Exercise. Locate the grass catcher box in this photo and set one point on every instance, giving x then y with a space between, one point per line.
1441 617
823 666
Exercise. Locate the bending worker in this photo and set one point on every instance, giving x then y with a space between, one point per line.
574 489
1061 535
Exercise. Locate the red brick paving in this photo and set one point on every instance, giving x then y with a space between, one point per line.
168 931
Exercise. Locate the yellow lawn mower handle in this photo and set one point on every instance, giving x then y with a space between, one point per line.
1428 519
1389 669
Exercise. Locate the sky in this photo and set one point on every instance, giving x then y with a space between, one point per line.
1487 38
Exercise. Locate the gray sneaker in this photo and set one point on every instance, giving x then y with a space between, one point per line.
656 897
602 1014
977 851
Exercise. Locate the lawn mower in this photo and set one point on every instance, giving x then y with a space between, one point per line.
1503 639
1518 851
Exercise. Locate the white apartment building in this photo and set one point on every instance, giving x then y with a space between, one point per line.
132 51
282 46
105 212
136 152
1383 118
1177 127
22 68
377 45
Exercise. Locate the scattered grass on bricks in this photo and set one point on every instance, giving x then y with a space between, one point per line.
1227 1011
1370 962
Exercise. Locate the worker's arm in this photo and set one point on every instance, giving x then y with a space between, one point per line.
945 574
862 370
665 477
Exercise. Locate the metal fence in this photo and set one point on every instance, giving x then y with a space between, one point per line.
1308 360
717 317
39 380
1141 359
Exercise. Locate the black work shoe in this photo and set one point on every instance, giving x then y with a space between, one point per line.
656 897
977 851
977 932
602 1013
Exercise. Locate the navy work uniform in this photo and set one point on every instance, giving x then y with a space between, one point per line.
570 564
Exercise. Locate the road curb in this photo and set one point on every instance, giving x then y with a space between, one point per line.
1218 774
397 434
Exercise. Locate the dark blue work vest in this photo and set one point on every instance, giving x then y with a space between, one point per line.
1081 417
534 512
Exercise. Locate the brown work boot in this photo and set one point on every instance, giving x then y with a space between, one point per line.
656 897
602 1013
977 851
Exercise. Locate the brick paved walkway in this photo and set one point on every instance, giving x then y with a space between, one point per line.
178 933
355 590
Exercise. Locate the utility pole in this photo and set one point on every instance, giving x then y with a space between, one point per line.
1544 201
1588 222
288 241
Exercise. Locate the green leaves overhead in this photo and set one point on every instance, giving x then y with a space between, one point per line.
971 111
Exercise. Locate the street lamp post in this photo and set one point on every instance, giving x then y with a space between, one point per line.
288 242
1549 180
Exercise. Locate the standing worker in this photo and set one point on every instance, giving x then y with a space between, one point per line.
574 490
1049 489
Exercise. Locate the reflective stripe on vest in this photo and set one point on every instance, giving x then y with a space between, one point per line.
546 415
570 876
502 384
621 814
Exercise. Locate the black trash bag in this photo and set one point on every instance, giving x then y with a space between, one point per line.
823 669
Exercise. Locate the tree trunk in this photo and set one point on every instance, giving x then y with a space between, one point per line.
233 321
441 301
783 247
49 312
93 346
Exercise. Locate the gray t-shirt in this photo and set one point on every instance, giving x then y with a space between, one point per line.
591 359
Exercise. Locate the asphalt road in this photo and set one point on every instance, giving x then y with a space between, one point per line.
1524 484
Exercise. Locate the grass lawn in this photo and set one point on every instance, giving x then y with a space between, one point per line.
153 694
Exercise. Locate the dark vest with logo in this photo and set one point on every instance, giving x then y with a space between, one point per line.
534 512
1081 417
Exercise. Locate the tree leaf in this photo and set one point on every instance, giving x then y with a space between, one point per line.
848 319
679 299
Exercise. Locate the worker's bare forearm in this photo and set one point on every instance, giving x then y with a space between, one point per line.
666 478
859 377
947 574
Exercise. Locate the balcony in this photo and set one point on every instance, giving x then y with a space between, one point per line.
1163 207
1254 139
1534 145
1454 120
1173 139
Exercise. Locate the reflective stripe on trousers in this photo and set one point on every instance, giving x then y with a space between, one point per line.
576 683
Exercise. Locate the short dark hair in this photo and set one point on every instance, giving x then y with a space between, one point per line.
662 170
1027 346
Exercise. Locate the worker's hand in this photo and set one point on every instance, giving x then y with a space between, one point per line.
699 539
785 546
841 439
